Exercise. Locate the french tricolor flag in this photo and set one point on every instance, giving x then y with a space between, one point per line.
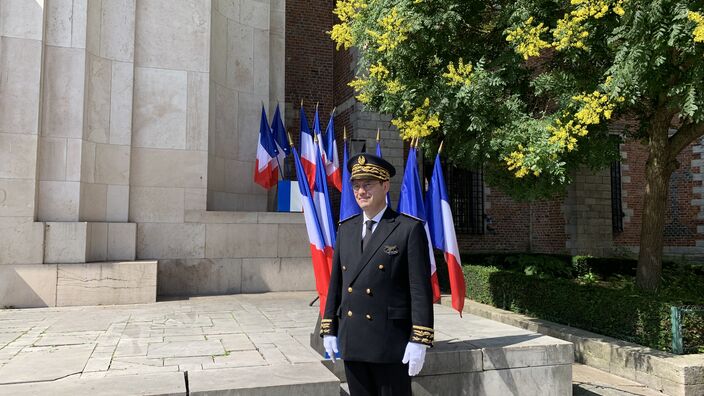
307 148
410 202
442 233
332 167
266 167
321 268
321 201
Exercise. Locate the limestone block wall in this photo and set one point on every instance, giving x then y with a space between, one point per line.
247 71
587 210
168 172
21 42
109 113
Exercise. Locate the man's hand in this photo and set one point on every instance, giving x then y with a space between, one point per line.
330 344
415 357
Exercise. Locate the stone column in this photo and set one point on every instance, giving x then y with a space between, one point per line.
21 35
24 280
247 70
61 138
169 158
107 133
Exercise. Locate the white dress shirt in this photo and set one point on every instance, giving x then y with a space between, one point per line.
376 219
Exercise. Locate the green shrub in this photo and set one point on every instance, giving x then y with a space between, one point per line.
620 313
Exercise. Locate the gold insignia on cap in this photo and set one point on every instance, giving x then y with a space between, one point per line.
361 160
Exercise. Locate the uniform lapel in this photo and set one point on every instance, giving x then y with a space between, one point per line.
353 250
387 224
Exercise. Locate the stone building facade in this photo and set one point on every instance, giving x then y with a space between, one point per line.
127 142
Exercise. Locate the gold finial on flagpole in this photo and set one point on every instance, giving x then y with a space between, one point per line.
315 138
333 111
316 106
290 139
301 102
440 148
378 135
344 133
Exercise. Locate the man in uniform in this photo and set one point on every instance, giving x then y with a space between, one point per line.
379 309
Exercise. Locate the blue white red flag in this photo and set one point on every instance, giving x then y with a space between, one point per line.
442 233
266 168
321 268
323 209
410 202
307 149
332 164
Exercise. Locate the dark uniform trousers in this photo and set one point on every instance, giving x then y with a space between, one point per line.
378 301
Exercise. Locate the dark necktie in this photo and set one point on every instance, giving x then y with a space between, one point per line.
368 234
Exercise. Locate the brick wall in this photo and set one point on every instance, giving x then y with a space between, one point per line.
309 61
682 212
507 226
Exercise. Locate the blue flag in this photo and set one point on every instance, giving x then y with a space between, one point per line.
348 205
410 201
280 137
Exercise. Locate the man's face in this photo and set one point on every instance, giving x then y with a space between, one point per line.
370 194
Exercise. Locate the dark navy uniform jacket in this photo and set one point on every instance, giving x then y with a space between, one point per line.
381 299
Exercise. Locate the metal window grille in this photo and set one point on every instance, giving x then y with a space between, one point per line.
465 190
616 199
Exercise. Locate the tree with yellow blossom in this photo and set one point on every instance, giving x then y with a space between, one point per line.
530 89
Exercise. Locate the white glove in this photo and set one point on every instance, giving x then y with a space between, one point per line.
415 357
330 344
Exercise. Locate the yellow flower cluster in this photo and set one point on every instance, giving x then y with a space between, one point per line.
394 86
378 71
571 31
594 107
527 38
460 75
393 31
420 124
515 163
564 134
346 11
699 29
341 34
360 85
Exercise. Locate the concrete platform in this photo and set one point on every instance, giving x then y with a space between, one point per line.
477 356
248 344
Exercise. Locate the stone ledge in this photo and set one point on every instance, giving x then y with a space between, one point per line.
227 217
172 384
109 283
662 371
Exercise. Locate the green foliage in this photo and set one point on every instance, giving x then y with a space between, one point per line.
540 266
624 313
509 114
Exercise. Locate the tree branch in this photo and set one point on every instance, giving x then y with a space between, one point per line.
684 136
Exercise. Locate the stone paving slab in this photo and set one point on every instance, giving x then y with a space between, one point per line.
169 384
45 363
311 379
238 344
